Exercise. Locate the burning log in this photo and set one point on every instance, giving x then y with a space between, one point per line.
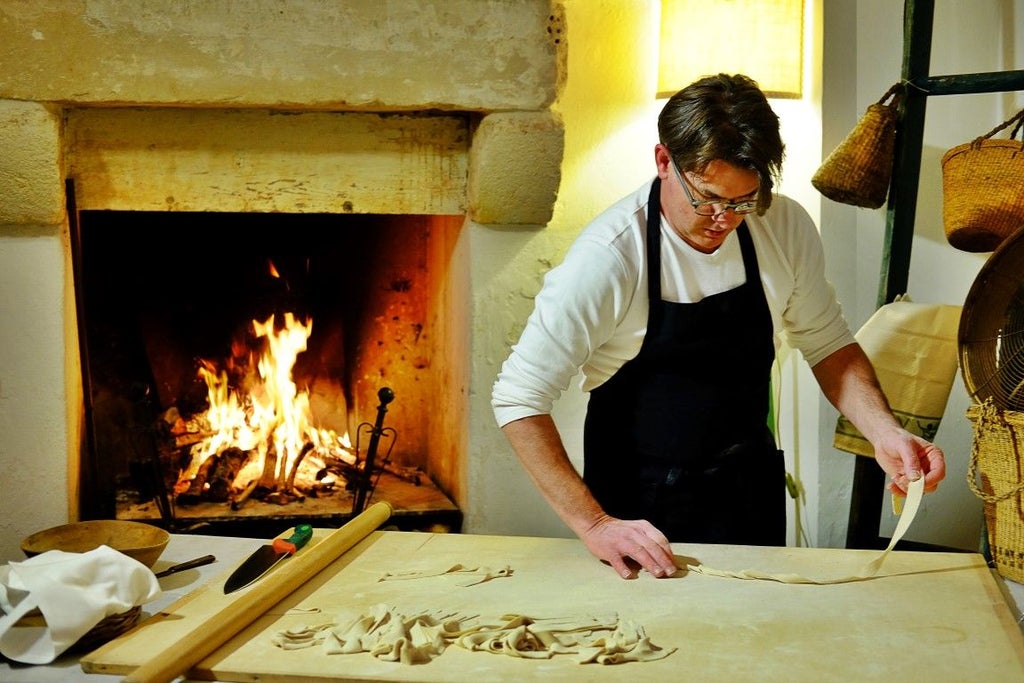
229 464
240 499
290 484
215 478
283 497
268 479
197 487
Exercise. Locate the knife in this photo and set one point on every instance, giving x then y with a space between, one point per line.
265 557
191 564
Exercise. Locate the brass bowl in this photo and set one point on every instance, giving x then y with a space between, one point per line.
143 542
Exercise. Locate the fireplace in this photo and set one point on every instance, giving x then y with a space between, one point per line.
285 330
430 111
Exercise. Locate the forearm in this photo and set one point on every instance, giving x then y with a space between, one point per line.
848 381
539 447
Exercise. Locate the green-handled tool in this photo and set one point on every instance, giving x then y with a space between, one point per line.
265 557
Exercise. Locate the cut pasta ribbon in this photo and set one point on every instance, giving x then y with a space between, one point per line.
467 576
394 636
914 495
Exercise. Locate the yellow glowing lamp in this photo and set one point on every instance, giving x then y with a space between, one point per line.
760 38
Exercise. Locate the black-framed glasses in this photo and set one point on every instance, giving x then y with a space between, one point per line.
707 207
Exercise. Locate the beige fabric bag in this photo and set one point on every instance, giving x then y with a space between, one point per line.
914 350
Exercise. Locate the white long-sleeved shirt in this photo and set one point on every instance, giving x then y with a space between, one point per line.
591 313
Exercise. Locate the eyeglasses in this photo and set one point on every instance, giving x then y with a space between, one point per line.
707 208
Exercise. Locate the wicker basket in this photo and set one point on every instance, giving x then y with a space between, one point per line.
858 171
106 630
983 189
995 476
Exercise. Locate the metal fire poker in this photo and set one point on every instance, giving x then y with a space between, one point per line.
367 483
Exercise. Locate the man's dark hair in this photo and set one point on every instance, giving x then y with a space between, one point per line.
726 118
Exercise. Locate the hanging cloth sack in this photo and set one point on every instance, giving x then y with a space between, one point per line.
858 171
983 189
913 348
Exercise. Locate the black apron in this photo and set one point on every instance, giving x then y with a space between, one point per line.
679 435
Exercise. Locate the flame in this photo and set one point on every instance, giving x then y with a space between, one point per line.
271 411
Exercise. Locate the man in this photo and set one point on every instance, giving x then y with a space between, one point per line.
672 303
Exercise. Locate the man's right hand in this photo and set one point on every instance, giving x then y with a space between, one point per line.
618 541
538 445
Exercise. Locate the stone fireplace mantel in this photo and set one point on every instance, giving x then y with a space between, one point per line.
222 87
418 107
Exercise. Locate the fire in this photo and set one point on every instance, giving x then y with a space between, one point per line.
269 418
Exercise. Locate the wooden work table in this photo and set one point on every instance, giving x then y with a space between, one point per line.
939 616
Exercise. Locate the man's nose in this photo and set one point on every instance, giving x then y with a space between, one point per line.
727 216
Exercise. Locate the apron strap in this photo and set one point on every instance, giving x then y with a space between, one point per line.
654 313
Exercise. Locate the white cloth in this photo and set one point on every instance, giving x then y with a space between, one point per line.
591 313
73 592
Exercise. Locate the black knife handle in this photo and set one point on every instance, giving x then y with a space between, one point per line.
191 564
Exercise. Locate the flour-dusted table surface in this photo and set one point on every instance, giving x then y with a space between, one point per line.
939 615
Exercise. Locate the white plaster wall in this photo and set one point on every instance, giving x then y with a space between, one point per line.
827 522
33 446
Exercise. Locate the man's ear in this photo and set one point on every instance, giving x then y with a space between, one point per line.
662 159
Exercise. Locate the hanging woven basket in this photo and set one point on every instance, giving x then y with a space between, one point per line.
983 189
994 475
858 171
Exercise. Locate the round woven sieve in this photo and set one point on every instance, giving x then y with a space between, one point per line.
991 334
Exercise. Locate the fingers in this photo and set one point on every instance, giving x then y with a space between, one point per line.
643 558
920 459
628 567
631 545
621 569
933 462
653 553
911 468
930 463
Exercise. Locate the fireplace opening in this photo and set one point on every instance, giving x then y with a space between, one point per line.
243 369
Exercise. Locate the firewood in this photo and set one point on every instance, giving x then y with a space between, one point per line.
243 496
268 479
290 484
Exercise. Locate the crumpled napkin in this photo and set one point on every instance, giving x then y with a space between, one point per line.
74 592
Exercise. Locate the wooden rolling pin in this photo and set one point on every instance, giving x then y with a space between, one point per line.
188 651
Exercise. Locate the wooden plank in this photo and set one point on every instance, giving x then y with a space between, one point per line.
975 83
175 657
927 615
